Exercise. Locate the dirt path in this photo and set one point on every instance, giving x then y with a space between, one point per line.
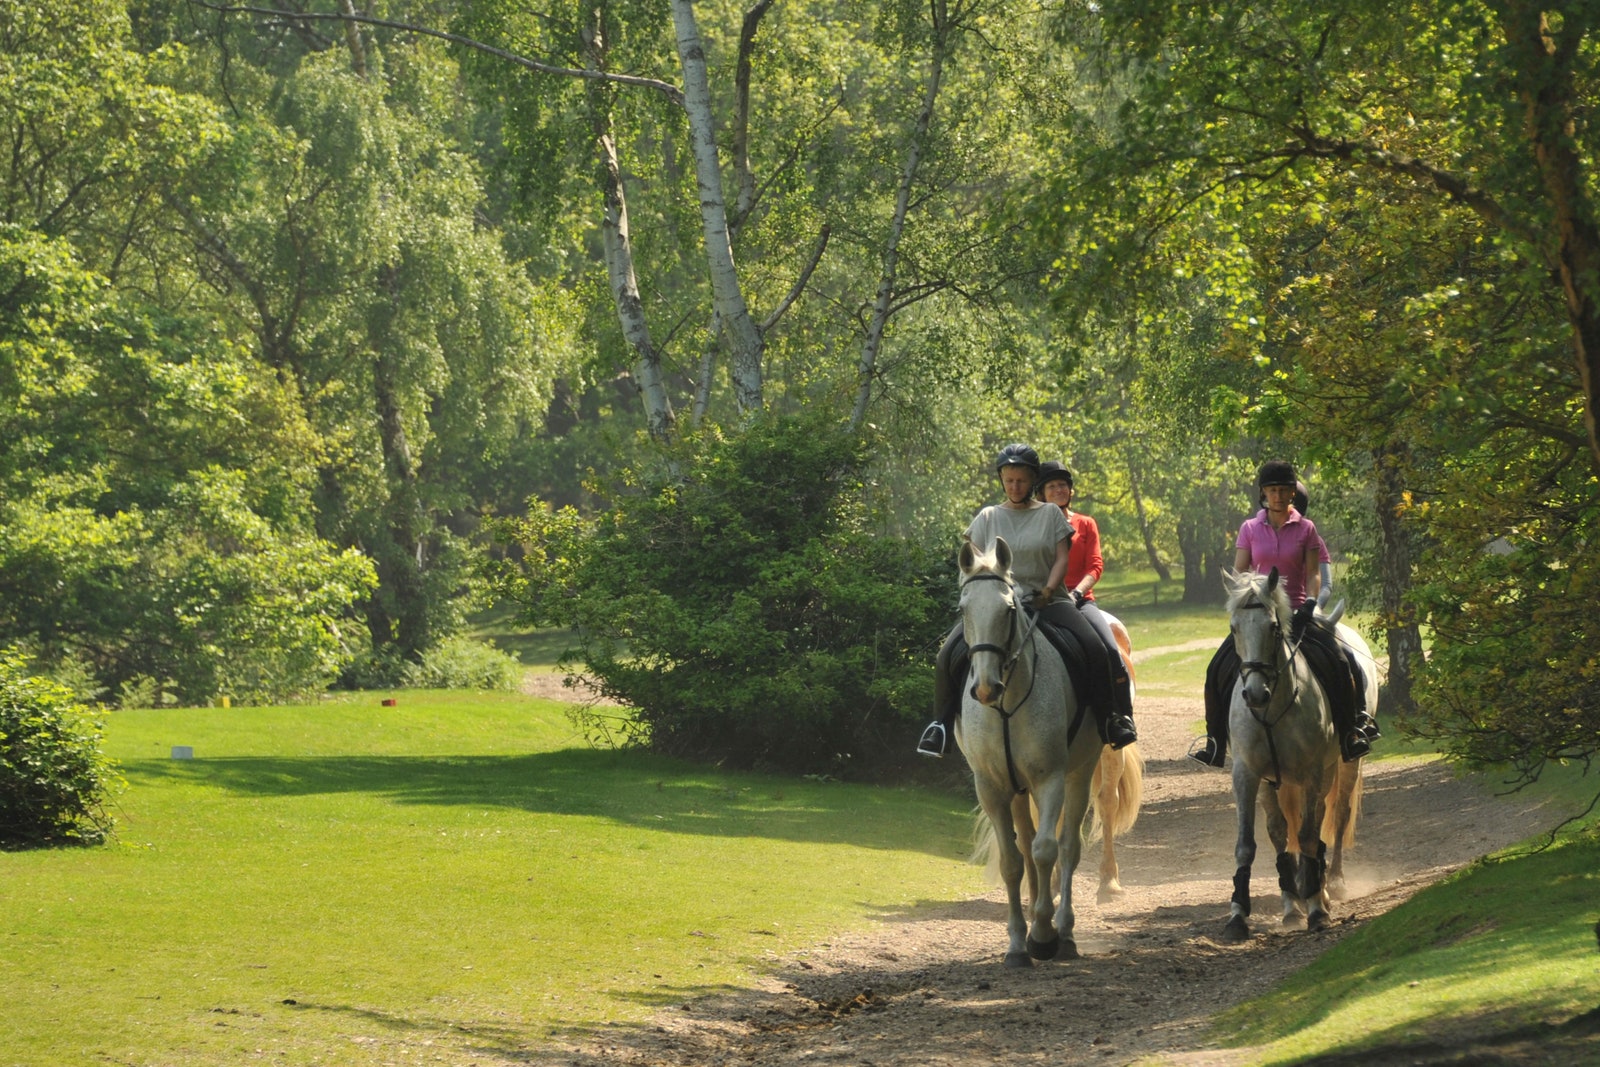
928 988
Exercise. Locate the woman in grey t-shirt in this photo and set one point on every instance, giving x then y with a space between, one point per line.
1038 536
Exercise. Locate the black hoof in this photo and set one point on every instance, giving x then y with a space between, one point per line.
1069 950
1018 959
1043 950
1317 920
1236 930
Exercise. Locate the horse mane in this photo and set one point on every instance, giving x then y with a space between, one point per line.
1245 587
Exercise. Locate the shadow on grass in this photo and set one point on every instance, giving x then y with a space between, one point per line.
627 787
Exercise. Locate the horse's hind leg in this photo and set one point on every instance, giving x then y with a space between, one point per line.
1075 806
1338 829
1312 862
1282 807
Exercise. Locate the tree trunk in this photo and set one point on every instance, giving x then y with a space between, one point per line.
739 327
1146 528
1402 636
882 304
617 242
1543 66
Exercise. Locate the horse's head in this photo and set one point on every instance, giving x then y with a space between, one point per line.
1258 618
988 612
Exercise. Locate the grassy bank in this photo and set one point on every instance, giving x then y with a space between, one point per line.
347 883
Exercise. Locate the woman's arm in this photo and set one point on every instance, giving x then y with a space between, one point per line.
1058 569
1313 569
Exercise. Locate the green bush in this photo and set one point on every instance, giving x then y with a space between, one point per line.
742 598
463 663
53 776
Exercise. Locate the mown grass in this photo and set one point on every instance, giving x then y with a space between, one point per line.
457 875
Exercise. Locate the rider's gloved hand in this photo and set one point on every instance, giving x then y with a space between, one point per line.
1302 618
1077 597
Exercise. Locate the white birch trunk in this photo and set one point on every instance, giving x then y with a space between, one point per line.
743 335
618 245
617 242
882 305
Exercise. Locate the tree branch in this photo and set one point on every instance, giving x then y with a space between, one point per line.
800 282
670 91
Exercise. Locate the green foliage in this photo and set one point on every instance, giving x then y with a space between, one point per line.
740 599
54 778
463 663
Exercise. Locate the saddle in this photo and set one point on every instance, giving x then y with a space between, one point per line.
1072 656
1335 667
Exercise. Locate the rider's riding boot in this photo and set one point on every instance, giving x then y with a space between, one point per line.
1354 745
935 741
1208 752
1120 732
1119 729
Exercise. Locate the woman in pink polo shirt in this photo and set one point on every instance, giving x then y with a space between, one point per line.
1279 536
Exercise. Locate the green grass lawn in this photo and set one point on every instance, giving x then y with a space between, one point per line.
328 884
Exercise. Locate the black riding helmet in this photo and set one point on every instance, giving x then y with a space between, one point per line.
1276 472
1051 471
1017 455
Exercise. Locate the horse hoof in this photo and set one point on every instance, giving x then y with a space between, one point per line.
1043 950
1337 889
1018 959
1317 920
1069 950
1236 930
1109 893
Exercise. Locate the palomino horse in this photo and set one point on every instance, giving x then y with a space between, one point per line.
1282 733
1117 792
1022 732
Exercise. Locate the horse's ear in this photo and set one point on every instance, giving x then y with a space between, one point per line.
1002 555
967 557
1272 580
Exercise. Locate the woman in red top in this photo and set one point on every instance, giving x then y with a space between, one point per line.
1084 567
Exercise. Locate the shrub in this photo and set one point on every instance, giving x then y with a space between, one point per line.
53 776
742 599
463 663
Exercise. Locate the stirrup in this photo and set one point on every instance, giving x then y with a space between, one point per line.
935 741
1368 727
1207 752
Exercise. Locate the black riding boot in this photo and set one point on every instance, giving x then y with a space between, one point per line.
1212 750
950 668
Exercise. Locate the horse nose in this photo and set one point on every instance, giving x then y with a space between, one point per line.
1257 694
989 694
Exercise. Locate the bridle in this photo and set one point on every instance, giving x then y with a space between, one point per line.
1271 672
1009 659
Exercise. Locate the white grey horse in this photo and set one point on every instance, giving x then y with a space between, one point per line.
1282 733
1024 735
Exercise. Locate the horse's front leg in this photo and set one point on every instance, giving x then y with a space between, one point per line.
1246 786
996 805
1044 943
1022 816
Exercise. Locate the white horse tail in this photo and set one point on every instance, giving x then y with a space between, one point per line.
985 852
1117 807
